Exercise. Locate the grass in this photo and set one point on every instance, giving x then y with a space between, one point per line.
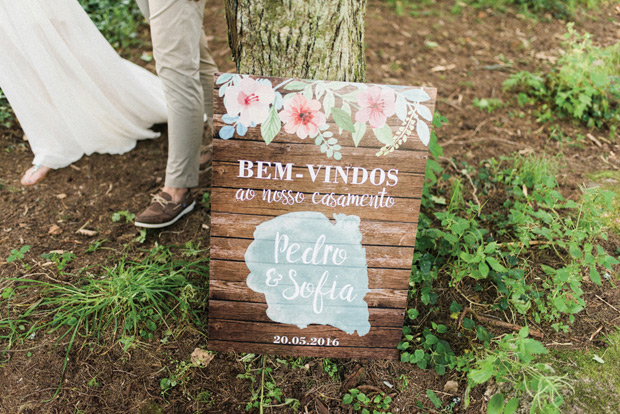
595 377
119 21
583 85
6 113
118 303
558 8
610 180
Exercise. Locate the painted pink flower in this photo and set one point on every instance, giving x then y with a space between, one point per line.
250 100
376 106
302 116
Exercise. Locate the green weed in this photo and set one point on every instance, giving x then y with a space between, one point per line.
512 364
7 117
61 260
126 299
488 104
363 404
491 251
584 84
124 214
595 374
558 8
18 254
119 21
265 393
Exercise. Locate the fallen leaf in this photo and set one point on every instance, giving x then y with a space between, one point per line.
443 68
352 380
54 230
201 358
451 387
87 232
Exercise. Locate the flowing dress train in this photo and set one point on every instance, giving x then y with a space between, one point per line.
70 90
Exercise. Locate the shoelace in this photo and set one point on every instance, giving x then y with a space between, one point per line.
160 200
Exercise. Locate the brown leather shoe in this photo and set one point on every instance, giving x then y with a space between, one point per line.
163 211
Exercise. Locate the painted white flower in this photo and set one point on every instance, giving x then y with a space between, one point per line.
250 100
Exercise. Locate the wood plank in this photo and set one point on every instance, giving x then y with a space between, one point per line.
227 175
345 140
391 257
291 350
223 201
255 312
301 154
259 332
396 279
380 233
240 292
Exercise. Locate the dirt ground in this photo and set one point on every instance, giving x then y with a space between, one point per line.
466 56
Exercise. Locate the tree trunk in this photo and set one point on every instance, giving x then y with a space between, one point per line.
309 39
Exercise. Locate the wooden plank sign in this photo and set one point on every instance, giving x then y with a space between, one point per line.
315 202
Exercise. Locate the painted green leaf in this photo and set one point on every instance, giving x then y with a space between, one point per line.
424 133
295 86
308 93
270 128
328 103
360 131
496 404
343 120
384 134
424 112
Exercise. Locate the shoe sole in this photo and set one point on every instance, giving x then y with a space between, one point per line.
168 223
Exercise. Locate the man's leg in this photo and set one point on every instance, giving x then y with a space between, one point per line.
207 70
176 31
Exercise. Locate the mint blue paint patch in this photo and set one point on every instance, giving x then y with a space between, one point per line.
311 271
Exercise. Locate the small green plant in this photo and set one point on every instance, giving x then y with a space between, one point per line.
119 21
584 84
18 254
7 117
512 364
119 215
206 200
204 399
265 392
488 104
363 404
178 377
60 259
432 351
130 298
559 8
96 245
330 368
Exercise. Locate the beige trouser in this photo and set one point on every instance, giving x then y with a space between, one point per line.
185 66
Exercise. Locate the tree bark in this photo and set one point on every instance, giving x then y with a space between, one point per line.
309 39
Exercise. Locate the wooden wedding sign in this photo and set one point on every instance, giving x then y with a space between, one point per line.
315 202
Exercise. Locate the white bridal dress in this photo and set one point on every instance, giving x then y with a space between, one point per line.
72 93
